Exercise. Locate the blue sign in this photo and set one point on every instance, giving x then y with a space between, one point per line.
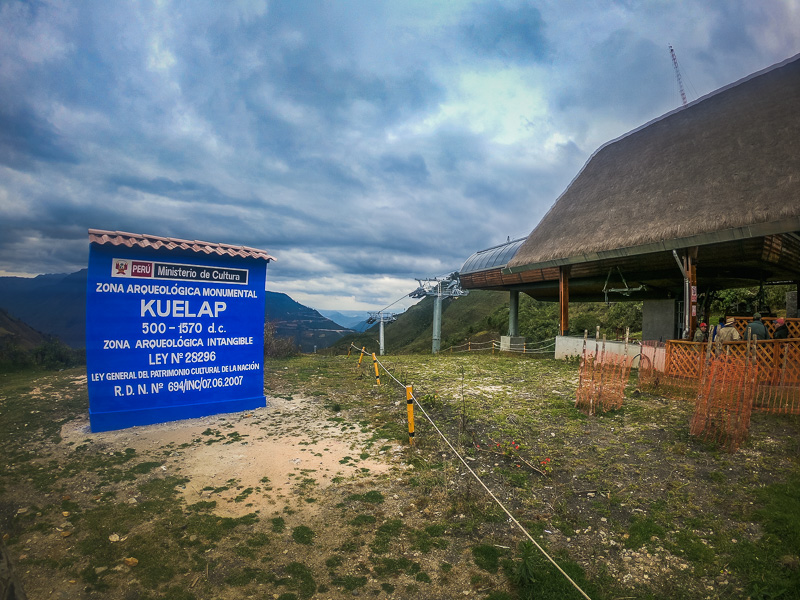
172 334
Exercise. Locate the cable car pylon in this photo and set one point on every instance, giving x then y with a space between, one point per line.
446 287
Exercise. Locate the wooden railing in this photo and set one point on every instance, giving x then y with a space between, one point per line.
793 325
676 367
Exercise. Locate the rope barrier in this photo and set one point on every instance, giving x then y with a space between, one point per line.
493 345
479 480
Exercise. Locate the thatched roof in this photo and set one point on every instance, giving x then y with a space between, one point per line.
725 167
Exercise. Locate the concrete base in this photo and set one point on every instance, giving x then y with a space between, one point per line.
791 305
571 347
508 342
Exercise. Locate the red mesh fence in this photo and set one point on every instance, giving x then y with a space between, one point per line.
676 367
602 379
726 391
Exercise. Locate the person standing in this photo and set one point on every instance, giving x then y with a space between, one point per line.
717 327
781 330
701 335
728 332
756 328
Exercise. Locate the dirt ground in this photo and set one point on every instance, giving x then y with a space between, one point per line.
632 500
280 441
295 459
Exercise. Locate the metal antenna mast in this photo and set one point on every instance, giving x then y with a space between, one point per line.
677 73
447 287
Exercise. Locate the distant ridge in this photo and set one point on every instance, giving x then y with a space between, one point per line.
52 304
356 321
16 333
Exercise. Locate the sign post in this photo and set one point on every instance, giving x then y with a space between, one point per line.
172 332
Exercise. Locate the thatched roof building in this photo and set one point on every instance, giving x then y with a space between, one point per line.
718 181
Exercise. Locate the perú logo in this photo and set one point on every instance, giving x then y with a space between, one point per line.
141 269
121 267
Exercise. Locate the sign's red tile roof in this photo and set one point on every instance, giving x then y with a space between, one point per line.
122 238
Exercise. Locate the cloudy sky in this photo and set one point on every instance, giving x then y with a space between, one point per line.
364 143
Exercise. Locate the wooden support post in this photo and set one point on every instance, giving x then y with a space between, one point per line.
563 299
668 359
691 257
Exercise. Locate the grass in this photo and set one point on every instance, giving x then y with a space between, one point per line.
302 534
487 557
278 524
633 477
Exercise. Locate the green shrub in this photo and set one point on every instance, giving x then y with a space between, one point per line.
303 534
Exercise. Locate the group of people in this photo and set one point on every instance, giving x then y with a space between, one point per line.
725 331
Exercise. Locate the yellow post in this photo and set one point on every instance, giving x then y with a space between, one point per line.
375 363
410 408
361 356
469 346
349 349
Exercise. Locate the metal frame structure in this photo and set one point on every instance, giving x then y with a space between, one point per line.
446 287
381 317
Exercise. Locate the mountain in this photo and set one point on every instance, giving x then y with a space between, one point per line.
307 327
361 326
348 321
56 305
16 333
53 304
355 320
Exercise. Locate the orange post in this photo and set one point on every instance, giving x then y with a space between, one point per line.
361 356
375 363
410 408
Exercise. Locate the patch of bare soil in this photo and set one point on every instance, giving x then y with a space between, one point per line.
269 449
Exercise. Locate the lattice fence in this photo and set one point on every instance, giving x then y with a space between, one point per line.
726 392
671 369
603 375
779 377
676 367
793 325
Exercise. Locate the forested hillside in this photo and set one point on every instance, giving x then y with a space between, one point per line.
482 316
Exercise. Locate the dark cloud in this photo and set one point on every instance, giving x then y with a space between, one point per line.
26 139
625 75
188 191
732 26
513 33
411 168
456 149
